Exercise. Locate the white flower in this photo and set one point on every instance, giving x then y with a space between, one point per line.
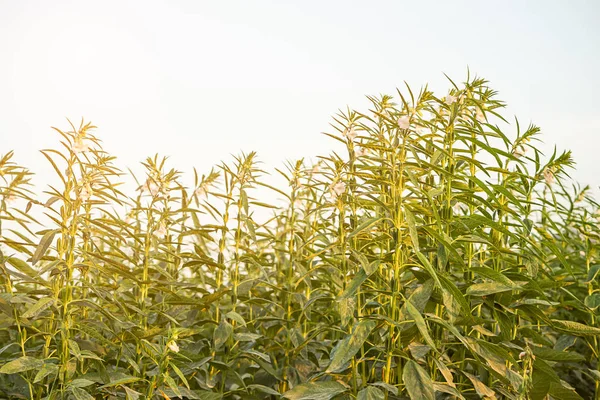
480 116
519 151
152 187
4 249
450 99
403 122
79 145
337 189
350 133
173 346
549 176
202 191
161 232
361 151
10 198
130 218
582 253
85 192
522 355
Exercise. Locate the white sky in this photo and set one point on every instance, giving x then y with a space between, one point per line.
200 80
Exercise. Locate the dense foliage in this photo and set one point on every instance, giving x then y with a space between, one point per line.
438 257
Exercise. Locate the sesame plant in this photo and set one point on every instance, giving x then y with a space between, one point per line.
437 253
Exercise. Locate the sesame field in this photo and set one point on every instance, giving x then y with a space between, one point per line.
435 254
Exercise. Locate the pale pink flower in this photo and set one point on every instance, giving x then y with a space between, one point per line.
337 189
350 133
519 151
480 116
172 345
151 186
450 99
161 232
129 218
202 191
316 168
404 122
549 176
10 198
79 145
361 151
85 192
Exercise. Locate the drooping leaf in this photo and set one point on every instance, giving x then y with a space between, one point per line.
418 383
349 346
21 364
370 393
315 391
222 334
81 394
41 305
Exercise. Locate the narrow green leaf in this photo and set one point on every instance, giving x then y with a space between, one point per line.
41 305
575 328
43 246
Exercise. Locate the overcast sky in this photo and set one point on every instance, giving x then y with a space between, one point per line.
200 80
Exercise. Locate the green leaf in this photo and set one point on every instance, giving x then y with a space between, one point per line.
368 223
43 246
420 322
131 394
493 275
349 346
180 375
592 301
418 383
41 305
412 228
556 355
22 266
236 317
427 265
485 289
370 393
22 364
482 390
559 392
123 380
46 370
593 273
172 384
575 328
222 334
81 394
315 391
81 383
354 285
264 389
